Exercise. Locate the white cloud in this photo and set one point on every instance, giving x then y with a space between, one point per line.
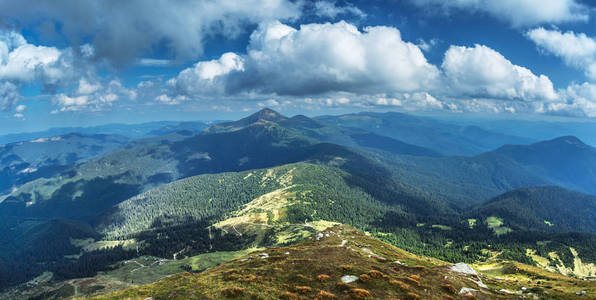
577 100
121 30
165 99
20 108
24 62
576 49
480 71
85 87
331 10
152 62
315 59
208 77
93 96
9 95
518 13
337 65
268 103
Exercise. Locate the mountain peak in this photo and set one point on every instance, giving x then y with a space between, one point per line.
267 114
262 116
569 140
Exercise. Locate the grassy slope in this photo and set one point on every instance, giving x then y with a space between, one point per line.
126 274
313 268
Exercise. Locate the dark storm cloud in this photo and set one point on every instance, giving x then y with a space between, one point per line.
121 30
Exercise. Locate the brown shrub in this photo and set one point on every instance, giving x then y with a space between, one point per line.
323 277
469 296
302 289
346 267
233 292
447 297
249 278
289 296
418 267
413 280
303 277
412 296
376 274
359 294
448 288
401 285
323 295
364 278
414 276
228 276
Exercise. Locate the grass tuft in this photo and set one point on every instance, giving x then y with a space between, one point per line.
364 278
233 292
289 296
359 294
376 274
323 295
323 277
302 289
448 288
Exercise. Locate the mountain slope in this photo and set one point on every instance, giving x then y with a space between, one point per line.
566 159
22 162
544 209
436 135
343 263
292 193
259 145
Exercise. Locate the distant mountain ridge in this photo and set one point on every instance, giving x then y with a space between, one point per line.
442 137
565 159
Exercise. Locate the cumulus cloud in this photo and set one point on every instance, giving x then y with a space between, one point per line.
314 59
577 100
480 71
69 78
93 96
576 49
518 13
24 62
208 77
121 30
331 10
337 65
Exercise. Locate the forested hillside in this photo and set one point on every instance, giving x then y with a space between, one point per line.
543 208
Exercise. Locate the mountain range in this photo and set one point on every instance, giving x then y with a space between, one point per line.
451 192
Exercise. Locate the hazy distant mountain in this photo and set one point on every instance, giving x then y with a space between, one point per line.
567 160
133 131
433 134
21 162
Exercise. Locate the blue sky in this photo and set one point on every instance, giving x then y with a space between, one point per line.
83 63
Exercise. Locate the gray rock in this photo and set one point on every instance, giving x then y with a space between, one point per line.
464 269
466 290
349 278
